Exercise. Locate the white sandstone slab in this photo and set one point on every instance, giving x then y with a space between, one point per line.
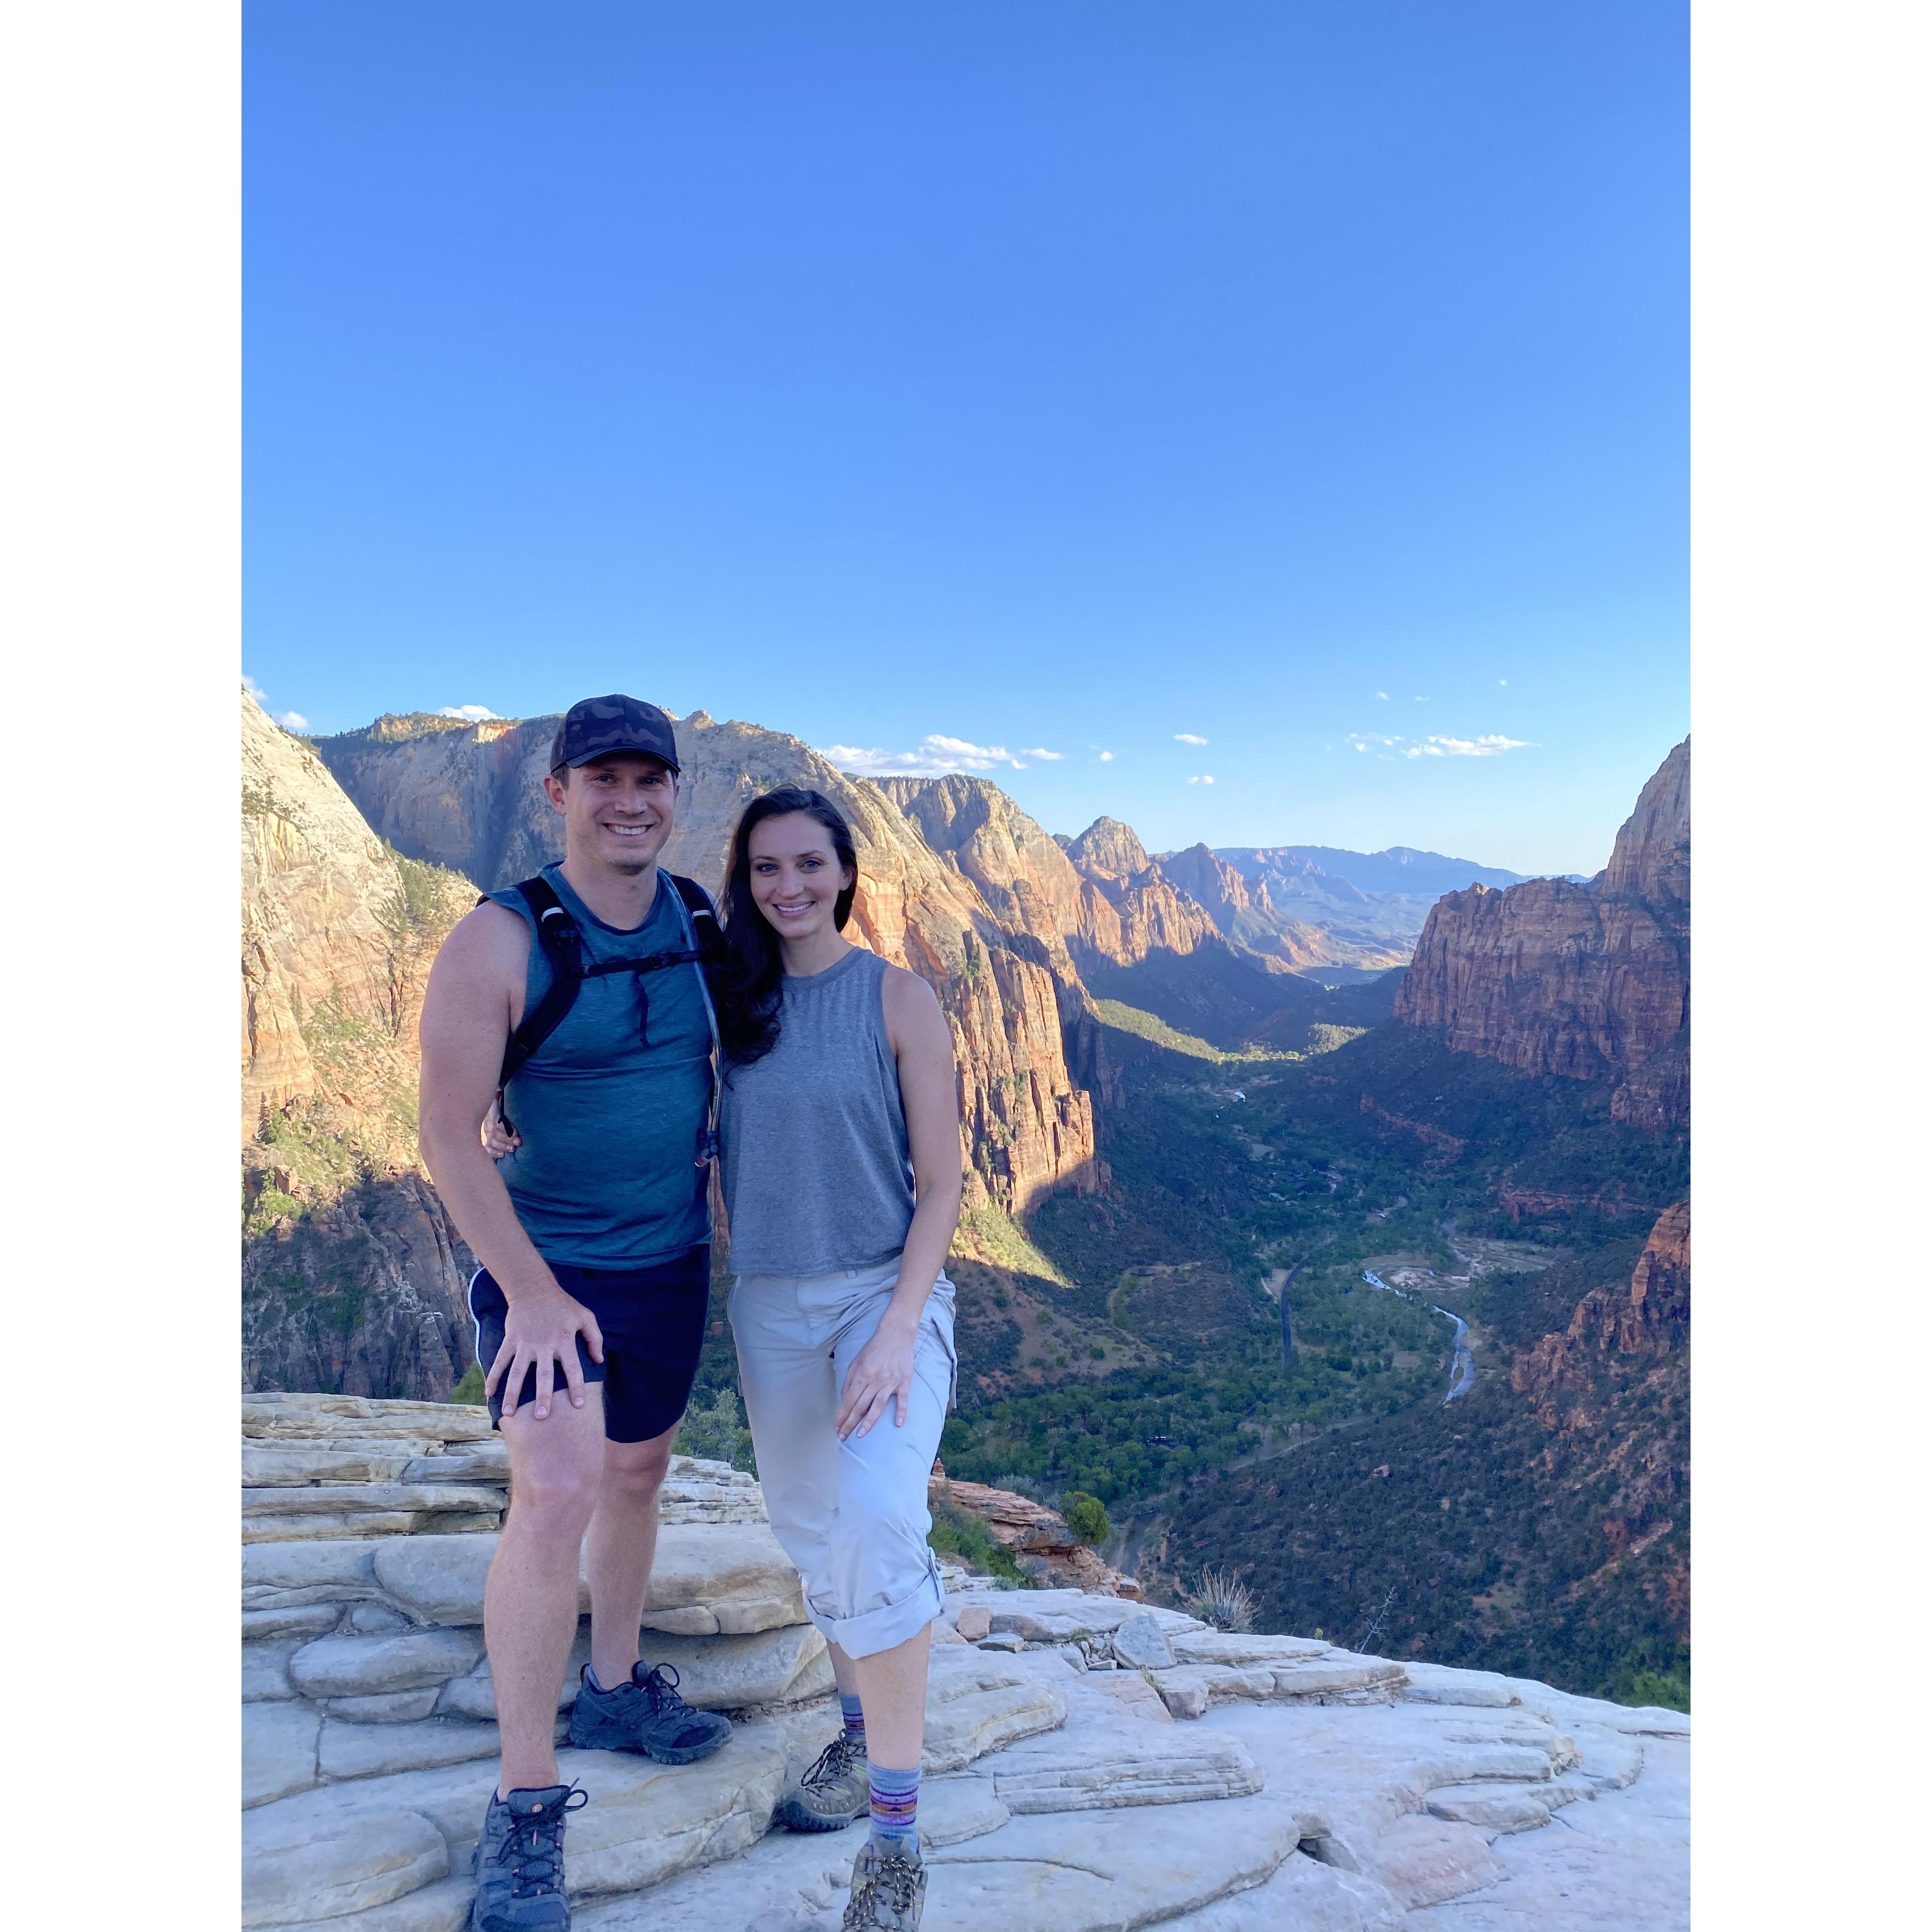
298 1869
278 1750
1238 1647
1620 1863
1105 1760
1424 1860
366 1667
349 1498
307 1620
346 1751
1439 1684
294 1464
443 1906
1302 1897
389 1707
468 1463
976 1702
731 1673
1506 1807
731 1577
277 1575
264 1669
1139 1642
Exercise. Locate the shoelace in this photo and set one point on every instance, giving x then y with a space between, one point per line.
534 1849
661 1686
832 1762
898 1878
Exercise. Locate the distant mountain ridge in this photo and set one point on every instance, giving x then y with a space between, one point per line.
1402 869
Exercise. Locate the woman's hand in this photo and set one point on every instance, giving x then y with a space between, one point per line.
497 1139
880 1377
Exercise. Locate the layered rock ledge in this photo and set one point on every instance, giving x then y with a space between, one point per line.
1092 1763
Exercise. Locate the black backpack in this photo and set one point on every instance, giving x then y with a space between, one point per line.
563 943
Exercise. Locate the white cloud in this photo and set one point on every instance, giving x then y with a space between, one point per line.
1502 680
253 689
474 713
291 721
936 755
1383 695
1488 746
1106 757
1188 738
1203 780
1040 752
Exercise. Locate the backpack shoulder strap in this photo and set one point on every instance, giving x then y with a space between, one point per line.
703 913
562 945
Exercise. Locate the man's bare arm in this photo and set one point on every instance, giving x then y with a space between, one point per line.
474 996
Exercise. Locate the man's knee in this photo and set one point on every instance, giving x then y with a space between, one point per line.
556 1489
635 1470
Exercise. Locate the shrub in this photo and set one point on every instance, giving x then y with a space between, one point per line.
470 1389
1222 1599
716 1431
1086 1516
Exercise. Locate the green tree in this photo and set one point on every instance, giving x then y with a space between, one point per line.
1086 1515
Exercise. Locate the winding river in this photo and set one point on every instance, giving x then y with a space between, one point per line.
1463 1366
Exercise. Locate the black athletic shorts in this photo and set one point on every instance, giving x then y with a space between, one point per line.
652 1321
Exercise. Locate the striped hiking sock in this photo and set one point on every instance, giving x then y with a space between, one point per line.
855 1717
895 1807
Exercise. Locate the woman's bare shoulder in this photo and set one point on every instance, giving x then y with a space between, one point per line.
905 990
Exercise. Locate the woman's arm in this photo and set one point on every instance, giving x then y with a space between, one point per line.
881 1378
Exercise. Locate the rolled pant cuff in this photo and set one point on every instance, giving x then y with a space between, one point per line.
889 1626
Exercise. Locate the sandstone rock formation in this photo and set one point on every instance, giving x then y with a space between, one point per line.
1038 1537
1236 1784
1652 1319
1589 982
352 1272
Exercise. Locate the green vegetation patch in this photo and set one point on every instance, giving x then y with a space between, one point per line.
1156 1032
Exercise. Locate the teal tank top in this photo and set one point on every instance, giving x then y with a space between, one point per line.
613 1106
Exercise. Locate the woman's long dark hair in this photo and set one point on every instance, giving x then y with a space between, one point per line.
747 984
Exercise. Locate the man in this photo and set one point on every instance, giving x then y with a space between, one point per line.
594 1237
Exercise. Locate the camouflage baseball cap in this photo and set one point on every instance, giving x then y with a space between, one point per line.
594 728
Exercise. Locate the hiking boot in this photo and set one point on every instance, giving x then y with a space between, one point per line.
518 1862
834 1792
888 1888
646 1715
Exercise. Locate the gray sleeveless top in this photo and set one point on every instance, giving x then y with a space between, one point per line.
818 1178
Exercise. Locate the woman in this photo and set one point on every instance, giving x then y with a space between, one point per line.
839 1125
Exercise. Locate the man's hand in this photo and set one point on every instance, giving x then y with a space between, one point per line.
540 1330
880 1377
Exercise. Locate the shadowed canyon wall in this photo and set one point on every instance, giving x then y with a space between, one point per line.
352 1276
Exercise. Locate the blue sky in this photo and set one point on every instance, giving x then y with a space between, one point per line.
1289 395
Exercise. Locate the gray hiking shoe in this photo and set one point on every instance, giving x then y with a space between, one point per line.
518 1862
834 1792
888 1888
646 1715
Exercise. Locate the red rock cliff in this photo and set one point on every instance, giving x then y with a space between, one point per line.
1589 982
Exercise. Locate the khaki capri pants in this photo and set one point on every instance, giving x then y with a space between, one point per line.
851 1515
